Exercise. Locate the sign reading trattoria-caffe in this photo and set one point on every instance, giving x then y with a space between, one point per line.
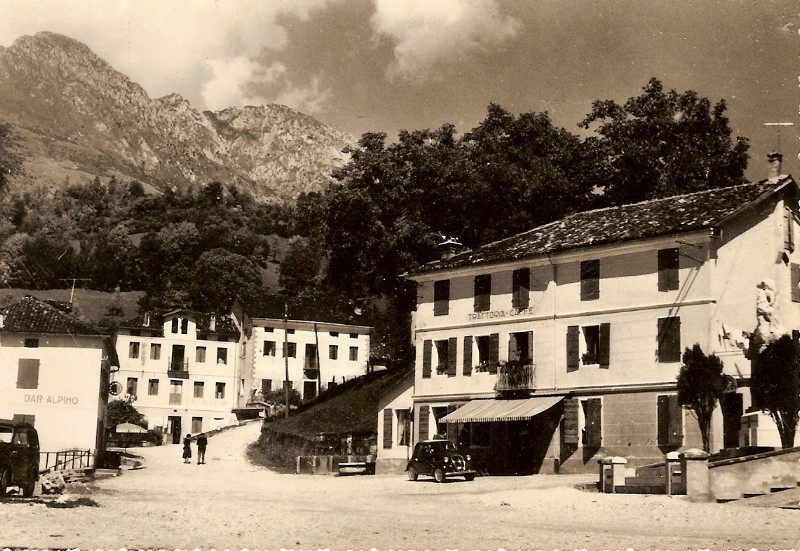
500 314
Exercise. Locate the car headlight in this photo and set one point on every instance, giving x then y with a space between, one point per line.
469 458
446 459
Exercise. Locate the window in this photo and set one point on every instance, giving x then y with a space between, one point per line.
483 291
441 297
266 386
184 326
175 325
175 392
290 350
222 355
590 280
155 351
28 373
403 427
588 345
31 343
668 269
132 386
446 357
670 421
520 346
669 339
269 348
310 360
220 391
521 284
269 329
483 346
353 353
309 390
200 354
334 333
290 331
197 424
199 386
333 352
133 350
152 387
353 335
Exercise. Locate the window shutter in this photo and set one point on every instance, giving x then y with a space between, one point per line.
788 229
441 297
530 345
424 415
521 283
452 428
590 280
427 355
594 429
483 290
605 345
670 421
668 264
387 428
452 366
573 348
669 339
468 355
494 352
795 275
569 427
28 373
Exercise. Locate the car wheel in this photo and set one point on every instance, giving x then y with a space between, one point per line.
438 474
3 483
469 477
412 474
28 488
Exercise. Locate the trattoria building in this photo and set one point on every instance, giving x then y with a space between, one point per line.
548 350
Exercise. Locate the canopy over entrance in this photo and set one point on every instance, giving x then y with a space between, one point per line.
485 411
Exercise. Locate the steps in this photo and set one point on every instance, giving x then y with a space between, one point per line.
780 496
648 479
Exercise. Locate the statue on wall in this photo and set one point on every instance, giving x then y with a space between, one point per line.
768 328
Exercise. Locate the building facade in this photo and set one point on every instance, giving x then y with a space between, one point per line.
314 353
395 425
182 370
54 374
550 349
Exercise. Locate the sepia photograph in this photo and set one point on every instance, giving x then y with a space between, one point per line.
399 275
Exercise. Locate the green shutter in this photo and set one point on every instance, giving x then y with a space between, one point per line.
573 348
452 366
427 355
467 355
387 428
494 352
605 345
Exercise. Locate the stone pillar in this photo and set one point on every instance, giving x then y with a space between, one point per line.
672 463
612 473
694 468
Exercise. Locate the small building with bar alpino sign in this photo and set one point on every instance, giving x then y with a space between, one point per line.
548 350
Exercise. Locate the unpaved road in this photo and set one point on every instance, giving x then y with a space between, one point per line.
230 504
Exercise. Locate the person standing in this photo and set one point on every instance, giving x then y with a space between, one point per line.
202 442
187 449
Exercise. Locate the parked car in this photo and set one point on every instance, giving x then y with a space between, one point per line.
19 456
441 460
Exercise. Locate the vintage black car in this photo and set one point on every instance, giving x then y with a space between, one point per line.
19 456
441 460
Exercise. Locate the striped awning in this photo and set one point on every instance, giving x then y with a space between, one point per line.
485 411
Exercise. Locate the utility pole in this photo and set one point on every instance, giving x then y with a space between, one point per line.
319 367
73 280
779 124
286 355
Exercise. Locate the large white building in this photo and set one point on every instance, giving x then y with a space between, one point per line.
316 353
54 374
182 370
555 347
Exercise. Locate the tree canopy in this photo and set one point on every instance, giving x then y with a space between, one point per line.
775 385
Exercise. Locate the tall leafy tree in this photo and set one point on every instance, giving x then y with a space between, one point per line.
10 160
775 385
701 384
661 143
219 276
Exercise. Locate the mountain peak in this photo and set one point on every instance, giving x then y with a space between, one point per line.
77 112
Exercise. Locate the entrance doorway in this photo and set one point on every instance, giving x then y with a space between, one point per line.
174 428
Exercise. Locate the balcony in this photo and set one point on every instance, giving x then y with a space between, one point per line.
516 375
178 368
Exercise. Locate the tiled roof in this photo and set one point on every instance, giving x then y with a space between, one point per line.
223 324
653 218
30 315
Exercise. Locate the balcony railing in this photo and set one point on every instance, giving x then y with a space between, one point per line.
178 369
516 375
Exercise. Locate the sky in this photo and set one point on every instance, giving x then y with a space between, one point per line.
389 65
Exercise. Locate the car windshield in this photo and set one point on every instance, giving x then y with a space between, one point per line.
5 434
444 446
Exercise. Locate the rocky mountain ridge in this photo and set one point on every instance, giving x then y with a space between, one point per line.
76 116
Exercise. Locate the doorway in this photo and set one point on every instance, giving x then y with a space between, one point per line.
174 428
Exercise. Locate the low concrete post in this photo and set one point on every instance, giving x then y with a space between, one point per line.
612 473
694 468
672 463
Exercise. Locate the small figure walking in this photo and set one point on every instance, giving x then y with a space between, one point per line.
202 442
187 449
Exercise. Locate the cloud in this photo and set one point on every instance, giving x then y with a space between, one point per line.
430 33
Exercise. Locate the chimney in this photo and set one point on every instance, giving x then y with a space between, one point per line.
774 173
212 323
449 247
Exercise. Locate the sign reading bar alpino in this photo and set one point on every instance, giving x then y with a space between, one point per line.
500 314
